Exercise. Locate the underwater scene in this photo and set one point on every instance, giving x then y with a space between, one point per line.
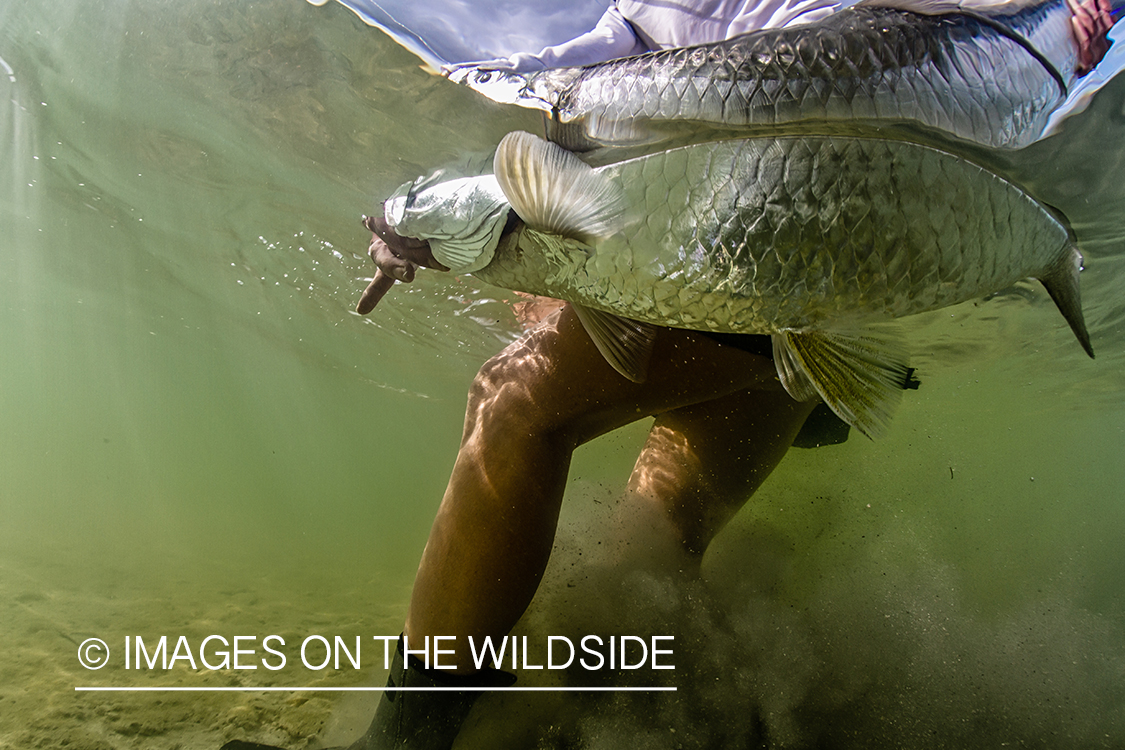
201 441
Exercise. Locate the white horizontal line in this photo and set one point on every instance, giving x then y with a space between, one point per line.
368 689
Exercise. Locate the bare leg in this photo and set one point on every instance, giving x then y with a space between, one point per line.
529 408
701 463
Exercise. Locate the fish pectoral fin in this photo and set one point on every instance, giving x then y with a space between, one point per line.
1061 281
860 376
625 344
572 135
595 131
553 190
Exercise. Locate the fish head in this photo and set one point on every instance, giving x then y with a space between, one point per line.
501 86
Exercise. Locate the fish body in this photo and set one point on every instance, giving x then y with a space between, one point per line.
809 239
780 183
991 75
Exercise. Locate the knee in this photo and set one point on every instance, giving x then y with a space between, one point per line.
511 396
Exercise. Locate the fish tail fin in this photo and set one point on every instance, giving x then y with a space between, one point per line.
554 191
1061 281
860 376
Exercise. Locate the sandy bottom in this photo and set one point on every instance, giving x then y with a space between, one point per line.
54 597
818 622
50 604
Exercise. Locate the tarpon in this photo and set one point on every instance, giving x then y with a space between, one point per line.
987 73
812 240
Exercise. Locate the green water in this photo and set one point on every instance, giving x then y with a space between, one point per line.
197 436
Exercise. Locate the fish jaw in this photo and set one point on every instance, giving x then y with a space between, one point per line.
501 86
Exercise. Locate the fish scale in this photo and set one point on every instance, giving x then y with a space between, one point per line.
777 191
991 76
758 235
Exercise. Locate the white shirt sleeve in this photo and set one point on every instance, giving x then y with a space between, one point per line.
611 38
663 24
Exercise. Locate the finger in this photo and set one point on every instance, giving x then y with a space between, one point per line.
374 292
378 226
1090 22
391 263
1103 10
387 233
410 249
1082 26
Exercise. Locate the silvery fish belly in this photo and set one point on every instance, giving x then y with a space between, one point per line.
990 76
808 239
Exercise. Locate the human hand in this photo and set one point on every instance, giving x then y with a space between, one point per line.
1090 22
499 63
396 258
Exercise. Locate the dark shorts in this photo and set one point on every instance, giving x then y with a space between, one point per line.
822 427
752 343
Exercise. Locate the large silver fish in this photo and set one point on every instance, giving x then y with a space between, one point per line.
810 239
988 73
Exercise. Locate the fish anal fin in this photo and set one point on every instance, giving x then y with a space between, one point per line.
859 375
1061 282
791 371
625 344
553 190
